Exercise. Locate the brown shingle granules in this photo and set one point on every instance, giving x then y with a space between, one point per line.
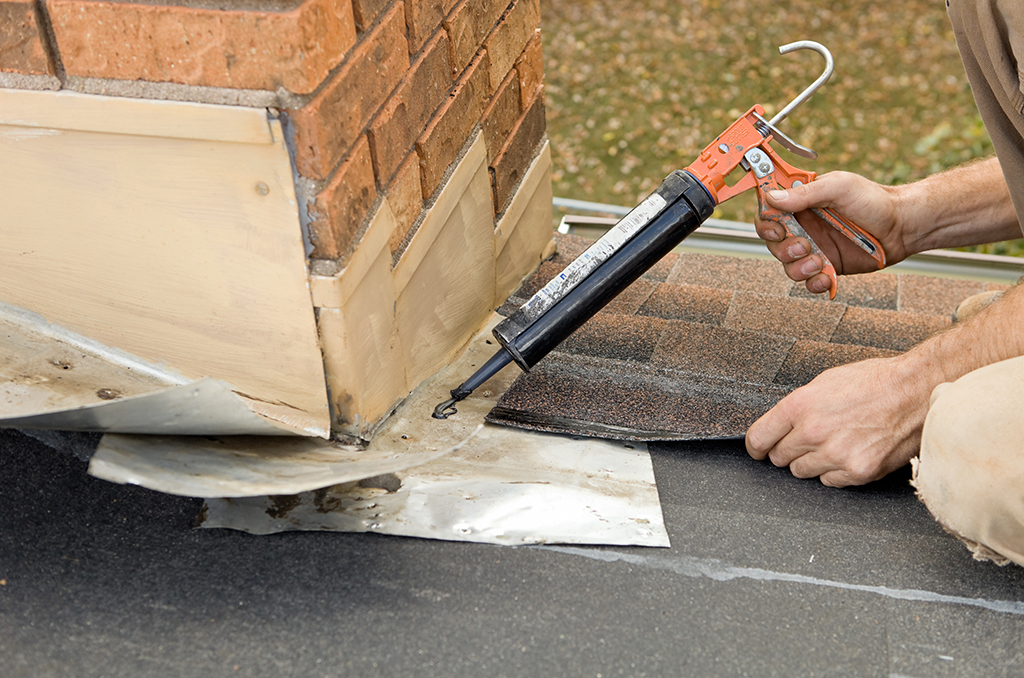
713 346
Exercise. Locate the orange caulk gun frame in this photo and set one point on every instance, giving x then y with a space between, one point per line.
745 144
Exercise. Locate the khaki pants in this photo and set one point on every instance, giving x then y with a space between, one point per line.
970 473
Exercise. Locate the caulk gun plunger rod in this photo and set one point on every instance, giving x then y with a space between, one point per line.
813 87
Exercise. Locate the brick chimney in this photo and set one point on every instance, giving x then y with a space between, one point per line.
401 119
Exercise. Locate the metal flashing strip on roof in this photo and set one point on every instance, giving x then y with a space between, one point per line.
489 484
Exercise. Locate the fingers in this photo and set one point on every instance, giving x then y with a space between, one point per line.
819 284
795 254
780 437
837 478
808 456
785 249
869 205
765 434
769 231
817 462
797 263
850 425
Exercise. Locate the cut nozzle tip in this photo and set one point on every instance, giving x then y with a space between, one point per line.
445 409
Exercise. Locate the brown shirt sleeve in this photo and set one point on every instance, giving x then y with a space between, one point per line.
990 36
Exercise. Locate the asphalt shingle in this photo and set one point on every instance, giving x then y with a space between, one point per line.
706 351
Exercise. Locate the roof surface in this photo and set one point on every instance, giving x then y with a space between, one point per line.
703 344
768 575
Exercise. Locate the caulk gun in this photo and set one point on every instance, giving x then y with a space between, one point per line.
683 201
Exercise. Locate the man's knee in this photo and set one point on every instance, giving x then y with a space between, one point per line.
970 473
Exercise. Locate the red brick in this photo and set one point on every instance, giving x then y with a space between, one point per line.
510 37
514 159
366 11
328 125
22 40
440 144
422 18
530 67
468 24
242 49
406 199
341 208
407 111
501 114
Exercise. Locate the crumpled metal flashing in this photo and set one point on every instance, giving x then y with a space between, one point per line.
55 379
455 479
498 488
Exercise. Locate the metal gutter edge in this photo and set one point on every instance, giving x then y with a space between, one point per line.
717 236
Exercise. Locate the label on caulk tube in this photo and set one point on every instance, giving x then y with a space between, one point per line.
595 255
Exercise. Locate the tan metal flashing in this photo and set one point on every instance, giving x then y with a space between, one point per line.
333 291
452 479
445 280
523 236
465 178
384 331
71 111
537 174
175 239
362 351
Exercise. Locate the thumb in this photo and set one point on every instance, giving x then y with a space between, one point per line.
820 193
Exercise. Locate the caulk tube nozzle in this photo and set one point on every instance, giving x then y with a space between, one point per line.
485 372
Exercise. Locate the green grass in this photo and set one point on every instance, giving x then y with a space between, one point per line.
636 88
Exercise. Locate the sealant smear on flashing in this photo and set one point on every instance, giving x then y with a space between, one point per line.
711 348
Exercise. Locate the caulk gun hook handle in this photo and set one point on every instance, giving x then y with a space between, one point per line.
803 96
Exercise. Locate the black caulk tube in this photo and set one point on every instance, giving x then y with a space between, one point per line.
637 242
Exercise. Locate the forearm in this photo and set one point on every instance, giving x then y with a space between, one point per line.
993 335
967 205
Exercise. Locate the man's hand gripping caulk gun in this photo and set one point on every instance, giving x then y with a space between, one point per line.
683 201
745 144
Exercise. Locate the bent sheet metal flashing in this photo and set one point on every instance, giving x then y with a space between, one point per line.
495 485
53 378
456 480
